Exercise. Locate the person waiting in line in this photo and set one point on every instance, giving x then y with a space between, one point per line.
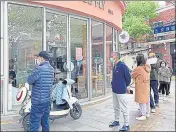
171 71
154 83
141 75
164 78
121 79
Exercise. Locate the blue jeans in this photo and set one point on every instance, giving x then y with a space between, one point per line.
39 115
154 87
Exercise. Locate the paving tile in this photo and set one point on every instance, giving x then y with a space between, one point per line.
87 128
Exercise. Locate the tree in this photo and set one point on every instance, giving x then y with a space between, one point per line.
137 16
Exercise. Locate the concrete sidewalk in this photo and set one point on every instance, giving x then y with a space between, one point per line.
164 118
94 118
98 117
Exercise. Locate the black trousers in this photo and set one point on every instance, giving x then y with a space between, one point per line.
169 84
164 88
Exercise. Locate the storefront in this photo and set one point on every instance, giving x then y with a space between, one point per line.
82 32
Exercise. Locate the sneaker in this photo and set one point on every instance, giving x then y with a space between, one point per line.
141 118
157 105
153 110
148 115
114 124
164 97
125 128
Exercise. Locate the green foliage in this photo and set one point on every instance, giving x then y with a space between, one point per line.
135 20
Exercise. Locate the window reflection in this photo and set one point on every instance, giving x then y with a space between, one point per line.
97 59
56 37
25 40
78 40
109 49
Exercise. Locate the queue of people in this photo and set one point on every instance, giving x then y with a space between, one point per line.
147 78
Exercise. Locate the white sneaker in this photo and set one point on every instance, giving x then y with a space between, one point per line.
153 110
148 115
164 97
141 118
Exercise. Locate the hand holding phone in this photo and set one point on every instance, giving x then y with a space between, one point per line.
129 91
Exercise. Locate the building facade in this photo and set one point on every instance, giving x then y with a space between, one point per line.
82 32
163 41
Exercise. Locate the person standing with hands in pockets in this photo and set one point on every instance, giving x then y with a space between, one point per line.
120 81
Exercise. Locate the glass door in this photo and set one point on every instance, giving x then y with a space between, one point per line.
56 41
78 44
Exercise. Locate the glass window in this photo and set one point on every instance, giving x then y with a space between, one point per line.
56 37
97 58
109 49
78 41
25 40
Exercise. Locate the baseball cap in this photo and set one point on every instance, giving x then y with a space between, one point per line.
44 55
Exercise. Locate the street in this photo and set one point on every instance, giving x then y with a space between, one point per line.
97 118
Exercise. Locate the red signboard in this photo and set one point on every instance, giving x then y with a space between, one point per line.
79 54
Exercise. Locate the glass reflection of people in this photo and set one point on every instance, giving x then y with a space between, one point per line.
12 74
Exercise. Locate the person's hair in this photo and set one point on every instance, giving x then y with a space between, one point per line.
164 63
117 54
140 59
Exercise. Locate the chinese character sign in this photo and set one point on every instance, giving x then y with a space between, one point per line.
164 29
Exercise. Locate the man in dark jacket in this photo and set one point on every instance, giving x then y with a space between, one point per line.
121 80
41 80
154 83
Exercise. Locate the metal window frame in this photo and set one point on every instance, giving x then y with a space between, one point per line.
117 41
2 55
105 65
89 57
44 46
113 39
2 37
6 56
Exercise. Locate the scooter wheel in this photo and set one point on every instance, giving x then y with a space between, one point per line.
26 122
76 112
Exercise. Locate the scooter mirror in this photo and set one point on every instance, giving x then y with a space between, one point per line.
68 67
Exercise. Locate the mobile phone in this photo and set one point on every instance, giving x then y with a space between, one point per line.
131 91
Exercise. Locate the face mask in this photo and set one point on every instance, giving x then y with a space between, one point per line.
38 62
112 60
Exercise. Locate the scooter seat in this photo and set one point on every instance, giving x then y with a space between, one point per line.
60 107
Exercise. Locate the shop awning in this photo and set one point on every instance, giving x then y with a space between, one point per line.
160 42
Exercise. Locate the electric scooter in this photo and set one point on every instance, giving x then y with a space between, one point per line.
73 106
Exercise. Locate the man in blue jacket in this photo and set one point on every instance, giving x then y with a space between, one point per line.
121 80
41 80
